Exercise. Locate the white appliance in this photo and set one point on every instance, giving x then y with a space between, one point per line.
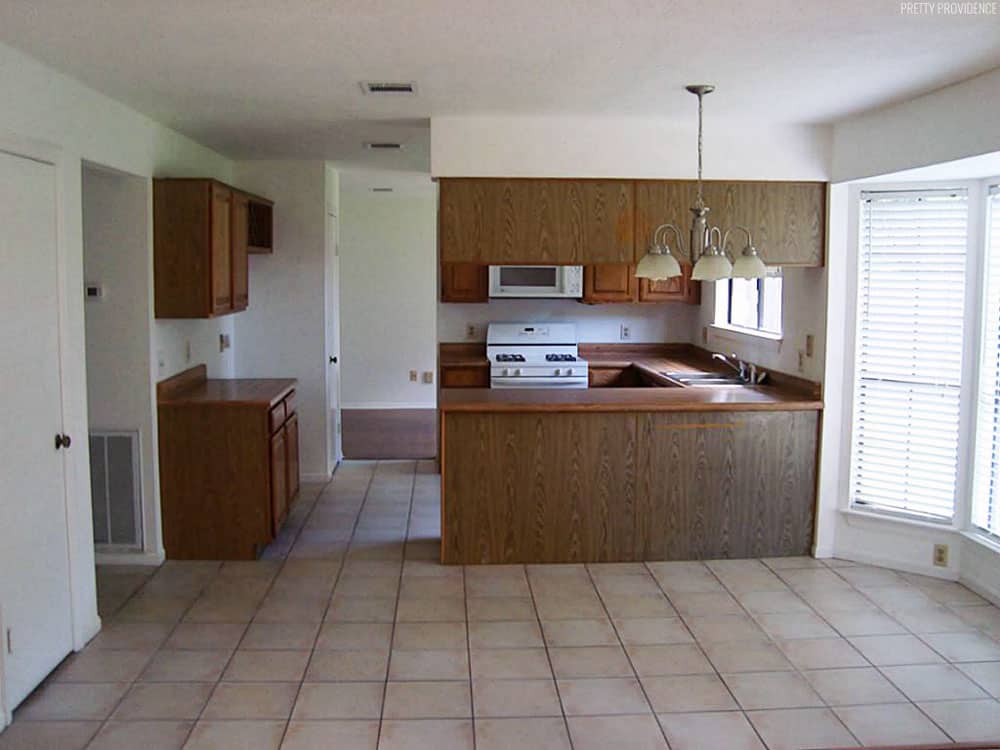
536 281
534 355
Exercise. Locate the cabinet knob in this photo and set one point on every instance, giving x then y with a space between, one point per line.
63 441
333 360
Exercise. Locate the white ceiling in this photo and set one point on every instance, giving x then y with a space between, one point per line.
260 78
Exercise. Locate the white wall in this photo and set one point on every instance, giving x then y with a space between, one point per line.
951 123
51 109
283 332
628 147
119 392
595 324
388 285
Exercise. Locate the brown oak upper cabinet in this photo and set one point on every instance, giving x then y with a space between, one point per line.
201 237
536 221
609 282
465 282
788 219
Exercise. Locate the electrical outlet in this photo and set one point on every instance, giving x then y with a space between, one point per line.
187 350
161 361
626 333
10 641
470 331
802 361
428 376
223 342
413 376
810 344
940 558
704 334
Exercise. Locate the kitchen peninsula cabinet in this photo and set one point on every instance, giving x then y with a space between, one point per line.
203 232
229 464
536 221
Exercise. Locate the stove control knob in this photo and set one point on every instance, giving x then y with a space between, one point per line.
517 371
569 371
505 372
558 372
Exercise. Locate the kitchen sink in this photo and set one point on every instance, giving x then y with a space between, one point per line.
704 379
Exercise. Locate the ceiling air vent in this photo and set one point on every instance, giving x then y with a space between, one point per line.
383 146
388 87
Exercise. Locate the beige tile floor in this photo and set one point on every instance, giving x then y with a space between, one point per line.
349 635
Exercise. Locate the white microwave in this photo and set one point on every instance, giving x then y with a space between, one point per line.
536 281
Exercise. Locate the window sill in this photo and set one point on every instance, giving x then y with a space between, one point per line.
720 329
853 515
983 540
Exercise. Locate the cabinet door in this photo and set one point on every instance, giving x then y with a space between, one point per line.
292 439
238 256
504 221
221 251
279 479
609 282
465 282
678 289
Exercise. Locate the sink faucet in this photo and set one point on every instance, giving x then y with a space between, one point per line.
748 372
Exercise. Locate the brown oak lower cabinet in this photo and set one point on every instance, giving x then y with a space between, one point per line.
229 464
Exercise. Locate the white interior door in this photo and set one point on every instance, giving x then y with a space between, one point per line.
34 559
333 338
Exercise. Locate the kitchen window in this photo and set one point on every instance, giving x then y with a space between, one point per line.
909 349
751 305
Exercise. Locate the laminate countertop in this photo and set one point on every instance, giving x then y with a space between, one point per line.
236 391
785 393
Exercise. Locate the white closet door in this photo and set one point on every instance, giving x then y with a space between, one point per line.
34 564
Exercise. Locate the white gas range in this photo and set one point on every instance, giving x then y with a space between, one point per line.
534 355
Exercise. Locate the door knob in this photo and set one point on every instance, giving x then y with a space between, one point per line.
63 441
333 360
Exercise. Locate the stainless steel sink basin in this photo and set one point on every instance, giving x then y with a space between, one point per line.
704 379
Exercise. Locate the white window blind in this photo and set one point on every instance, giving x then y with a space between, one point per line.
908 369
985 503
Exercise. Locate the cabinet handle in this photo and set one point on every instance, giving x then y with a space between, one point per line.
333 360
63 441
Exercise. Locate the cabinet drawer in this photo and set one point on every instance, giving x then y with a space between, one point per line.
277 417
465 377
289 405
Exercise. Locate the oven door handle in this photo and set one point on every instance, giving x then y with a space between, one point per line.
539 382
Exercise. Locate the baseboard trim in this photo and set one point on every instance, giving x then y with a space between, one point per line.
316 477
129 558
885 562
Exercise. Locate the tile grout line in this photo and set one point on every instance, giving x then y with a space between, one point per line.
468 654
909 631
395 611
548 655
333 588
774 641
628 656
701 647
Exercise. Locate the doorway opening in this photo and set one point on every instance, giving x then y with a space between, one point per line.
117 310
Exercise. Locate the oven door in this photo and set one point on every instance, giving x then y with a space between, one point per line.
536 281
498 381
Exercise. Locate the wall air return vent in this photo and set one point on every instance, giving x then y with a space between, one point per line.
115 486
408 88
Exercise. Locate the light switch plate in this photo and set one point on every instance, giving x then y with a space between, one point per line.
413 376
428 376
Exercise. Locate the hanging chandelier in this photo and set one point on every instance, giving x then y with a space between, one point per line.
707 248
